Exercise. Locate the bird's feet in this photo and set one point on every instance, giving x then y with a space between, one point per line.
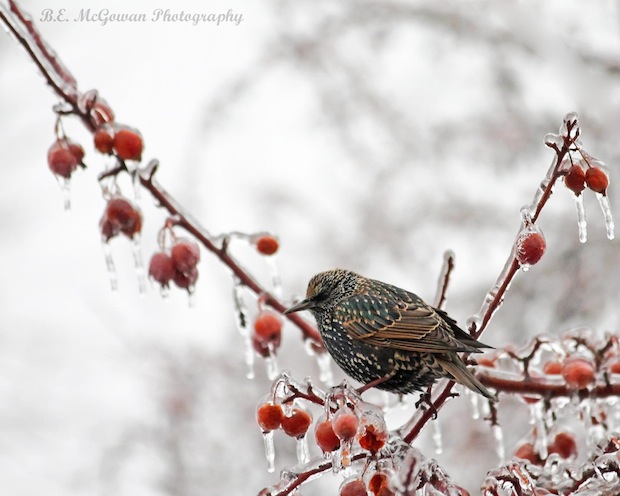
425 399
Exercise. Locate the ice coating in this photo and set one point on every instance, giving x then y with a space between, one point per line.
582 224
270 451
109 263
603 201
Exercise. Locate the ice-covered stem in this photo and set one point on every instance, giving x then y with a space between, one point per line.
64 85
561 144
444 279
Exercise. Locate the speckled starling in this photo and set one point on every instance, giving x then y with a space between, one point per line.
385 336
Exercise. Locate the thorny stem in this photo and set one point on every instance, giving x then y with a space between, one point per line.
55 73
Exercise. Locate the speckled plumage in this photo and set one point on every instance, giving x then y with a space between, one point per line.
375 331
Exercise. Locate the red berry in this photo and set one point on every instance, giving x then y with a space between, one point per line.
614 368
564 445
372 438
530 247
578 372
186 280
597 180
104 142
61 159
120 216
325 437
128 144
526 452
77 151
345 424
161 268
377 483
297 423
267 245
269 416
268 326
486 362
575 179
353 488
185 255
552 367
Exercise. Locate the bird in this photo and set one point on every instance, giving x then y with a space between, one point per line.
386 337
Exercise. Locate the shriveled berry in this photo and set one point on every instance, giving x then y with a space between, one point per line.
553 367
185 255
161 268
297 423
578 372
185 280
269 416
530 247
575 179
267 245
526 452
345 424
268 326
104 142
372 438
101 112
597 180
353 488
263 348
564 445
123 217
61 159
325 437
128 144
377 483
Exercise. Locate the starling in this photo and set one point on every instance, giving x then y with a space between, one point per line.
386 337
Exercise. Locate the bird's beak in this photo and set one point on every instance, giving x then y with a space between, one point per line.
302 305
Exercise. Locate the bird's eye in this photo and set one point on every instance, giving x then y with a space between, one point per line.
321 296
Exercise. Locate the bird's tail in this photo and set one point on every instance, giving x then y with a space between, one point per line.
453 365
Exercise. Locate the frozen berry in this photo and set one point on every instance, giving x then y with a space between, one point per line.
345 424
161 268
263 348
297 423
186 280
128 144
564 445
578 372
120 216
353 487
377 483
77 151
575 179
325 437
268 326
185 255
101 112
526 452
552 367
267 245
104 142
269 416
597 180
61 159
530 247
614 368
372 438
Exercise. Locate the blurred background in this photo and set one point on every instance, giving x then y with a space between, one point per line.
371 135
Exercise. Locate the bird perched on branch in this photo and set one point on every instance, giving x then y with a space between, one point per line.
386 337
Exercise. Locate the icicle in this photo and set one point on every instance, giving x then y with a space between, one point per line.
345 453
271 364
581 218
270 451
65 187
135 183
324 362
437 437
475 406
302 449
603 201
138 264
109 263
498 435
241 321
276 281
541 442
553 141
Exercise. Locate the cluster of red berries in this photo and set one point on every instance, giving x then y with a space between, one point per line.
120 217
267 335
577 178
378 485
179 265
564 444
270 417
123 141
64 157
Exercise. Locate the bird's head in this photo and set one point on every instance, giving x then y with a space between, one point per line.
327 289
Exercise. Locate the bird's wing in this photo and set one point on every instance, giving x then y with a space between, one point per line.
399 321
